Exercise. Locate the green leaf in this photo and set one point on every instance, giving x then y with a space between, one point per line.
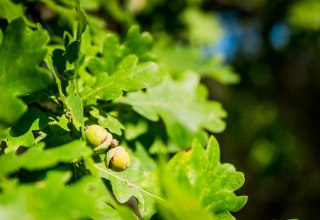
138 43
72 51
180 204
58 60
148 163
178 59
113 52
110 56
14 141
114 125
32 120
21 134
107 121
158 147
202 27
21 52
181 107
58 131
90 5
59 125
114 212
215 68
75 108
200 172
37 157
129 76
82 20
305 15
133 131
133 182
1 36
52 199
10 10
121 67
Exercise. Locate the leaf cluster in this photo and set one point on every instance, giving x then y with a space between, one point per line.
57 82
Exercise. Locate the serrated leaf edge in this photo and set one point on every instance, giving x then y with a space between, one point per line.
130 184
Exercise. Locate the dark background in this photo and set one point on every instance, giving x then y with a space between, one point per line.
274 110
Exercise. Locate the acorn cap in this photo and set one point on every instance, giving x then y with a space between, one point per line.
105 145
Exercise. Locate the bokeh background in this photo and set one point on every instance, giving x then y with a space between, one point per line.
273 106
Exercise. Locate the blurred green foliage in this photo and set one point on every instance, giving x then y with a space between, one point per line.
305 15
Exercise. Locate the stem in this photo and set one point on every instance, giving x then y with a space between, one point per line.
61 95
75 170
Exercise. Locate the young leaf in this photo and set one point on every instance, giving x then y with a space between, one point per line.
184 112
21 52
129 76
200 172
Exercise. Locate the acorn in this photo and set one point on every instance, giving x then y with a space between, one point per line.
117 159
99 138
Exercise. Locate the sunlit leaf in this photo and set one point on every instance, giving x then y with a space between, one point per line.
9 10
305 15
20 73
178 104
21 134
138 43
202 27
178 59
148 163
128 76
200 172
107 121
134 130
37 157
133 182
82 20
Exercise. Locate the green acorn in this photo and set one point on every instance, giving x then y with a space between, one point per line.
117 159
99 138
